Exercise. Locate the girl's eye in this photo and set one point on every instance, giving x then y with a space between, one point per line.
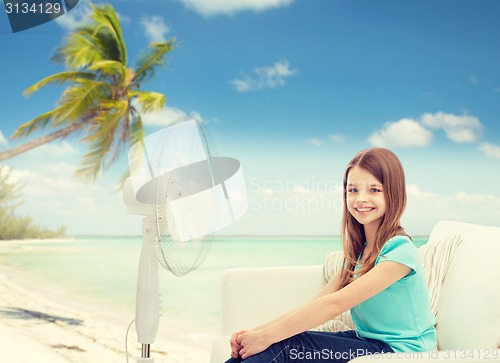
352 190
375 190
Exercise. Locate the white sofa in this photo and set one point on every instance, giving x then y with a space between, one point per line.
468 321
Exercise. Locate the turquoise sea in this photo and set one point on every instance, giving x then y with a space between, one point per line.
105 269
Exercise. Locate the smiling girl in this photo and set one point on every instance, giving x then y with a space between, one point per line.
382 282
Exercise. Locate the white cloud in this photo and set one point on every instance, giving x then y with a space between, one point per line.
53 198
38 186
168 115
155 28
313 141
229 7
473 79
60 168
3 140
75 18
476 198
402 133
415 191
50 181
337 137
264 77
490 150
425 208
63 148
459 129
415 133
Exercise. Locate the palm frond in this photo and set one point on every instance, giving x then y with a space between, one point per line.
59 78
136 127
79 50
78 101
109 68
104 114
97 40
106 19
136 136
108 46
37 124
92 164
102 142
121 135
151 59
136 132
149 101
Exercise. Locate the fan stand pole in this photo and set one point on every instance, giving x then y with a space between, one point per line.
147 303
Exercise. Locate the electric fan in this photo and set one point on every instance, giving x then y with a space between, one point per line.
185 193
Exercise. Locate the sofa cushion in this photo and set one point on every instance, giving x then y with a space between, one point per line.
436 258
342 322
333 263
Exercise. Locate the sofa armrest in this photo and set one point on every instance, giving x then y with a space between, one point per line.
253 296
221 350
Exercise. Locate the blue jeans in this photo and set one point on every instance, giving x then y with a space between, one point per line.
318 347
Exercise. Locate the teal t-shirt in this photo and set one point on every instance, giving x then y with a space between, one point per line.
400 315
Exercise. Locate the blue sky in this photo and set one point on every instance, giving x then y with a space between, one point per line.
293 89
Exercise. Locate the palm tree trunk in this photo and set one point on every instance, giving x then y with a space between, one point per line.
8 154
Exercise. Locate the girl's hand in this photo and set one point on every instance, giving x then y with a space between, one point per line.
235 346
253 342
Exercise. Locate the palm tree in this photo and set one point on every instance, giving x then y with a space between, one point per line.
103 101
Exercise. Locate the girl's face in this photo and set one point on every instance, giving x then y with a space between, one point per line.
365 197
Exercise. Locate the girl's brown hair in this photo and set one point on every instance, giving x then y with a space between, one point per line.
384 165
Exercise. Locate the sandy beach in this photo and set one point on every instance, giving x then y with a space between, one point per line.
41 323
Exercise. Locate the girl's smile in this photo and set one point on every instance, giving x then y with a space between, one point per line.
364 209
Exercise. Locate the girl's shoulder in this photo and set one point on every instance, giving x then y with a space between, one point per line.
399 238
397 242
400 249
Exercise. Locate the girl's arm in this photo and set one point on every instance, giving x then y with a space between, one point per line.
328 304
331 287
